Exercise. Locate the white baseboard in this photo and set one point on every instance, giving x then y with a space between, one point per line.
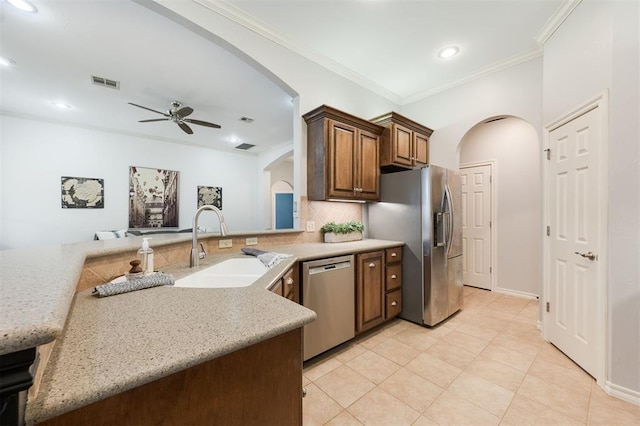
539 325
516 293
622 393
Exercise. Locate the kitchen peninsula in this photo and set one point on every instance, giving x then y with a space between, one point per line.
122 345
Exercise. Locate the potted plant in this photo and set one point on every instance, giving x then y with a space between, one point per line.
341 232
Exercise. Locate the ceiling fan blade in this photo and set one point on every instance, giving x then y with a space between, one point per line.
148 109
153 119
186 128
185 111
202 123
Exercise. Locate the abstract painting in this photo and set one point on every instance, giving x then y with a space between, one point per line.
82 193
210 195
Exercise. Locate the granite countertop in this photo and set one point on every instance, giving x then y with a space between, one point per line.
113 344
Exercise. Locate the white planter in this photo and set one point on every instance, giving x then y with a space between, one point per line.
331 237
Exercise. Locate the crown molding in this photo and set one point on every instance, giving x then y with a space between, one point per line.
554 22
247 21
235 14
482 72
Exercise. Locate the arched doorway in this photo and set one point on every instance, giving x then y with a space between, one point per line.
282 201
501 157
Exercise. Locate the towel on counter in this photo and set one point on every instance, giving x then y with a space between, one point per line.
269 258
119 286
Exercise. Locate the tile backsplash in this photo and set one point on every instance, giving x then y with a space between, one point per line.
103 269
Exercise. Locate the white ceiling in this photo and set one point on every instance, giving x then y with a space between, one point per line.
388 46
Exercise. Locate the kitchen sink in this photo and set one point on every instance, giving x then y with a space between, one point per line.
238 272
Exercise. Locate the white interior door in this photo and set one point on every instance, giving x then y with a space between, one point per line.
476 226
574 201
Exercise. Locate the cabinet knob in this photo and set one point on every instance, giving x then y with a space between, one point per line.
394 254
289 281
394 276
372 265
394 303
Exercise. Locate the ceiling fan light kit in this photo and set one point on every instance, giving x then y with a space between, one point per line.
177 114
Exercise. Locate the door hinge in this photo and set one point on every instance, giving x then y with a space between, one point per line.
548 151
548 309
490 224
548 231
490 270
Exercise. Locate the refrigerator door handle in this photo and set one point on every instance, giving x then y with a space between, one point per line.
439 230
450 213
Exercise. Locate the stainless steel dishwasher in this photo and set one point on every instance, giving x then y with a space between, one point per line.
328 288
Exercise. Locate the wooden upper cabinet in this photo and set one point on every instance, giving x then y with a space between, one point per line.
404 143
343 156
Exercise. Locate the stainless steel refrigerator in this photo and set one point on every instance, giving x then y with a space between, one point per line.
422 207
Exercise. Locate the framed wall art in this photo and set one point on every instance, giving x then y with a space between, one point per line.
82 193
210 195
153 198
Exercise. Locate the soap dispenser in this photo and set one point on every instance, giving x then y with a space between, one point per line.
145 254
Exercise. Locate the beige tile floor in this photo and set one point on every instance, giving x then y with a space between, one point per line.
486 365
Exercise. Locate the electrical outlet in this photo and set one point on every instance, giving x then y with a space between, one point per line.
311 226
252 241
225 243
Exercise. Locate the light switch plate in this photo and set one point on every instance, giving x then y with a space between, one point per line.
252 241
225 243
311 226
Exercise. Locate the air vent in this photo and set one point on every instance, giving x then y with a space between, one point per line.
246 119
244 146
105 82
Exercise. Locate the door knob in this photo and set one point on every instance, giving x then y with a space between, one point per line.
372 265
589 255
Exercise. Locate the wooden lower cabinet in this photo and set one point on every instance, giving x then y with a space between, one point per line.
393 282
370 289
257 385
287 286
378 287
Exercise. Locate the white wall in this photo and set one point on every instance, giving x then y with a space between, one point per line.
516 91
598 48
314 84
513 145
35 155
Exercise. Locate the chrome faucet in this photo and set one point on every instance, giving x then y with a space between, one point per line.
195 255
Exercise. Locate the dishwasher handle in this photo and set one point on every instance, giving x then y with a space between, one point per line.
329 267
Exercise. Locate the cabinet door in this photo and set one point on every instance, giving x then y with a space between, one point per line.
402 148
342 159
290 288
370 298
420 150
277 287
368 169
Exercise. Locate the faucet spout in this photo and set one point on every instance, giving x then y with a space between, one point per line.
195 256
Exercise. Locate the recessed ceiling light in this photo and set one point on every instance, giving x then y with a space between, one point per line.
448 52
5 62
61 105
233 139
23 5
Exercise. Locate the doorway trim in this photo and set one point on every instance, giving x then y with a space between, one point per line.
601 104
494 222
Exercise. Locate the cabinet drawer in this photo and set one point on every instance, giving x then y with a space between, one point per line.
394 303
393 279
393 254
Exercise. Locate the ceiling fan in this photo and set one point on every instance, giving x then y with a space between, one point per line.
177 114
